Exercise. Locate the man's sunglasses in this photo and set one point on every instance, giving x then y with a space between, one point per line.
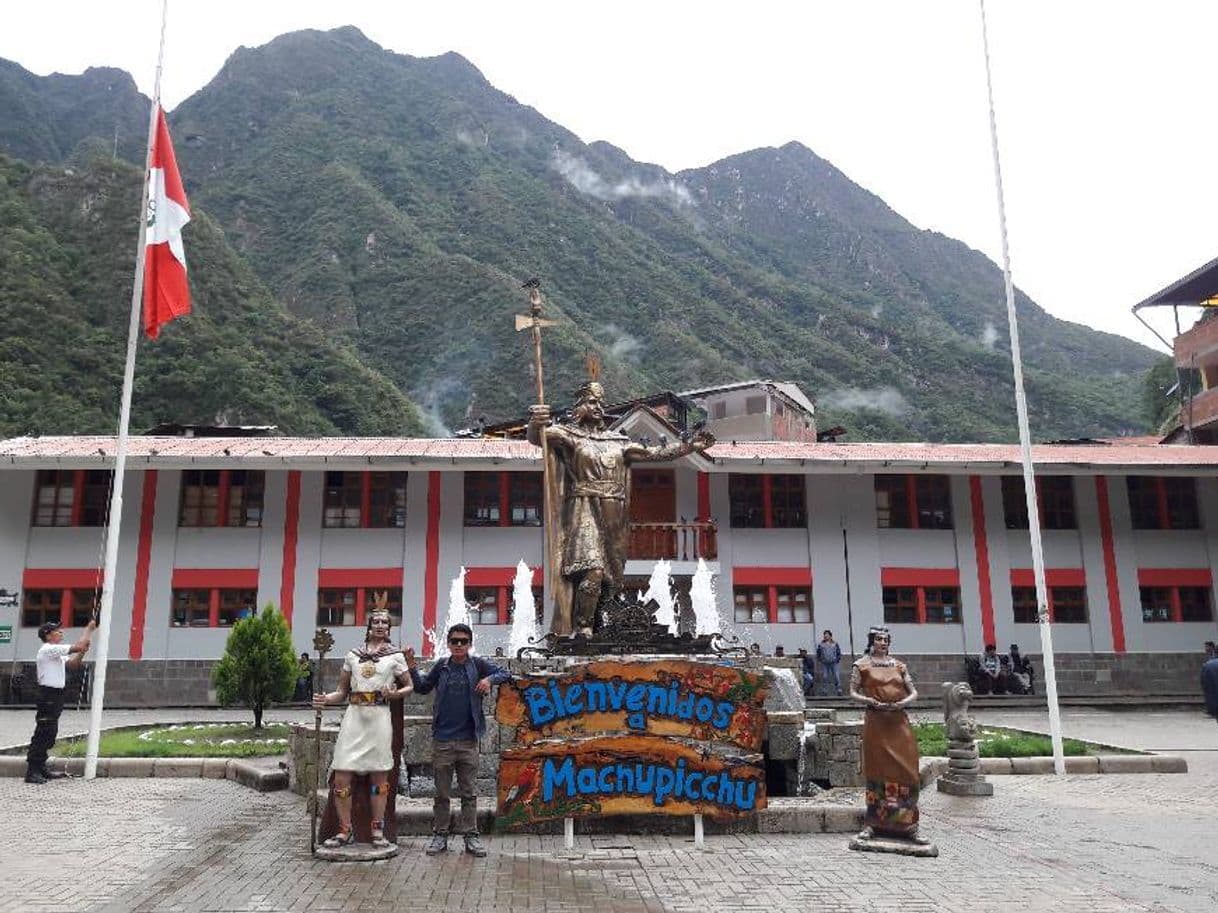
459 641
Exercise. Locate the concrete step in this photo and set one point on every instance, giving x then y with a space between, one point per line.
783 815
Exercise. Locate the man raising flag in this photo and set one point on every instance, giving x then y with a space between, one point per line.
166 291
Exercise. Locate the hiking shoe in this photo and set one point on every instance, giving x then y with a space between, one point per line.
438 845
35 776
473 845
49 774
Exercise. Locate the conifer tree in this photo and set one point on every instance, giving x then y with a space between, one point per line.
259 666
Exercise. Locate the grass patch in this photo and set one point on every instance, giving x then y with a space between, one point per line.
186 740
998 742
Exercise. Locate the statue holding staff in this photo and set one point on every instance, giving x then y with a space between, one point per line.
374 680
588 479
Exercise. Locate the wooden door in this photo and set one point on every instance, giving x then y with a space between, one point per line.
653 513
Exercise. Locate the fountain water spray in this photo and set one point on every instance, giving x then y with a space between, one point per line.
524 619
702 598
458 613
659 588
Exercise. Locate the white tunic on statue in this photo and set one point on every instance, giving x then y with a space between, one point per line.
365 736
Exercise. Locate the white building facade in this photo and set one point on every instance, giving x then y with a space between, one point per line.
801 536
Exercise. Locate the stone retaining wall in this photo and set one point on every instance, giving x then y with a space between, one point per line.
187 682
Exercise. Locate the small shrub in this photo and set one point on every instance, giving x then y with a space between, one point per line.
259 665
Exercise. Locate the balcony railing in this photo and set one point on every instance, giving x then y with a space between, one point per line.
686 541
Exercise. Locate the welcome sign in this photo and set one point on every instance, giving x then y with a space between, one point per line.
624 774
703 701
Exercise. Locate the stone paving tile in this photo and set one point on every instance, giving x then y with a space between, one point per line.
1095 843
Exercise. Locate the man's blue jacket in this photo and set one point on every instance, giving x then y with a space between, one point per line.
476 669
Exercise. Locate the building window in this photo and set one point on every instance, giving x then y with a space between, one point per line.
221 497
344 496
1067 605
1176 603
71 608
493 605
1054 497
211 607
767 501
41 606
1023 605
913 502
339 607
772 604
793 604
191 608
1157 502
922 605
503 498
483 602
752 604
367 500
71 497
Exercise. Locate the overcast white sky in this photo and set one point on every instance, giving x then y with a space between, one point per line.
1105 110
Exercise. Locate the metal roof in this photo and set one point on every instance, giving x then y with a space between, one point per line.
786 388
1198 286
1136 454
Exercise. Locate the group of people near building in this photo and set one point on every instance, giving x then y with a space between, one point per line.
821 668
1001 673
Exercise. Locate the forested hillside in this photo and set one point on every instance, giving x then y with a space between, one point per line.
395 203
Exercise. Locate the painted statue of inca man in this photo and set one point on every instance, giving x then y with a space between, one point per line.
588 478
367 752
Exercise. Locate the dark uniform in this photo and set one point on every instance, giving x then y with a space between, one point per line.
52 674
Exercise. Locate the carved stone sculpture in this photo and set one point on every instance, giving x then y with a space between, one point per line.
963 777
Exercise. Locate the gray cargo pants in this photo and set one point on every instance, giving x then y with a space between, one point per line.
463 756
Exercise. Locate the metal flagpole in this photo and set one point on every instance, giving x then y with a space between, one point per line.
1025 444
120 454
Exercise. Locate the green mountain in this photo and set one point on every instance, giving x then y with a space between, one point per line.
67 248
396 203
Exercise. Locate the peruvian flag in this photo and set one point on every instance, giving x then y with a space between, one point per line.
166 291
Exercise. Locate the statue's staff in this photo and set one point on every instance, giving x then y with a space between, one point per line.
535 322
323 643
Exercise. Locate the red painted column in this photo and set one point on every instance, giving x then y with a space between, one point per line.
431 558
143 563
291 524
1110 568
982 549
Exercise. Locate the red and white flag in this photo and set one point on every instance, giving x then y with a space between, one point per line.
166 290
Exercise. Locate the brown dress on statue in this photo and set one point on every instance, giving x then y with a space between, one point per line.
890 750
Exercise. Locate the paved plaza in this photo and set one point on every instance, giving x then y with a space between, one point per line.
1087 843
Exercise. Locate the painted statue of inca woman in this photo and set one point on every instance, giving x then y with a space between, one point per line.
890 749
589 478
373 682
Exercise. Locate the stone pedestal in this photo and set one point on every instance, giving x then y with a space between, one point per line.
893 845
356 852
964 776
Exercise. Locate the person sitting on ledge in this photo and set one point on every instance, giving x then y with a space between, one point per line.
991 680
